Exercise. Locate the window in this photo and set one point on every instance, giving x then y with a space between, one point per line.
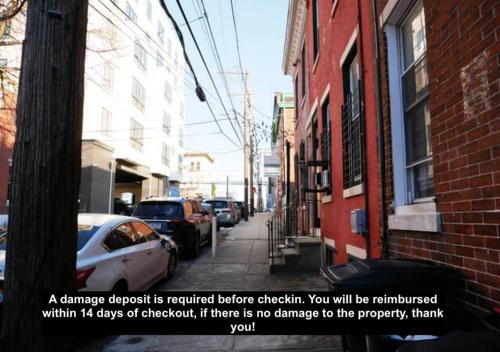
167 92
106 122
136 135
167 120
121 237
303 71
165 154
329 255
159 59
149 9
296 91
326 146
138 94
161 33
315 28
198 166
129 11
7 29
192 166
181 139
351 122
108 77
414 82
180 160
144 231
140 55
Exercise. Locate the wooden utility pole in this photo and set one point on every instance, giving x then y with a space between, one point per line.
41 252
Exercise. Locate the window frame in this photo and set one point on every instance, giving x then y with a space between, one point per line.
315 29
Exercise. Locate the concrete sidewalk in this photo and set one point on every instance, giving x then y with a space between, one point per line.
241 264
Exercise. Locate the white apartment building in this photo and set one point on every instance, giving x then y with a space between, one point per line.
197 171
132 142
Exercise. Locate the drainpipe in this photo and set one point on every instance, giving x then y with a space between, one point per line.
365 163
110 204
380 133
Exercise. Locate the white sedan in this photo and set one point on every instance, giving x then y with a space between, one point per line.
118 253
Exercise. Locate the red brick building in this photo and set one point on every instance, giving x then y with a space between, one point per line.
329 53
7 138
440 96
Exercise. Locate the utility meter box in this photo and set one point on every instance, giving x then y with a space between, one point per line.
358 221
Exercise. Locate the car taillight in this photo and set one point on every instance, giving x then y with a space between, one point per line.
82 276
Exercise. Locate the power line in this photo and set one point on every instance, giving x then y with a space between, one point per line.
206 67
237 40
221 68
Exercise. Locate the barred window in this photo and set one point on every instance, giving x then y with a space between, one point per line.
315 23
167 92
167 120
326 145
352 123
129 11
165 154
138 94
140 55
106 122
136 135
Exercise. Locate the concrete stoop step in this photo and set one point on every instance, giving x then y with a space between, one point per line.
304 257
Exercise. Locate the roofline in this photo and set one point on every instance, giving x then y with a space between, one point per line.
296 19
206 155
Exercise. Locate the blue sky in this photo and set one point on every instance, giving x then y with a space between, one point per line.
261 29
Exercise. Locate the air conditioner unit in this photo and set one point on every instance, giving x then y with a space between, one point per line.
325 179
358 221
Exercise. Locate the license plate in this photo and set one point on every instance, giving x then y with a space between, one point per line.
156 225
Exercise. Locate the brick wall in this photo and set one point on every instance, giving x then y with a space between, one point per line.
7 138
463 63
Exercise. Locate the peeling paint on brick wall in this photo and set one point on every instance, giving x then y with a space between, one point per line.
474 79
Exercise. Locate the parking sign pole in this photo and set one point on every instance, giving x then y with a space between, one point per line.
214 235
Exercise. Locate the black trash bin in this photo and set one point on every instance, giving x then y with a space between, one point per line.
387 275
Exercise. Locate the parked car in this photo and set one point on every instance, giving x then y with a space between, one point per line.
241 207
184 220
117 253
209 209
226 212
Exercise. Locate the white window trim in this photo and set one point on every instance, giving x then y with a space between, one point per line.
357 252
349 45
325 94
419 216
353 191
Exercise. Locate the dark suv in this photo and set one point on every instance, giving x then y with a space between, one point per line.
184 220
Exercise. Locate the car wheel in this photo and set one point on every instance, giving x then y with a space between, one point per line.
120 286
171 266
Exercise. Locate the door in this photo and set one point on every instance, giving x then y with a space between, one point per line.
122 242
156 256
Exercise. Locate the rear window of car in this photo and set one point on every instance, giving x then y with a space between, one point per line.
217 204
85 233
158 210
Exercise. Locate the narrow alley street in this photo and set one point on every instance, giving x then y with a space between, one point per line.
241 264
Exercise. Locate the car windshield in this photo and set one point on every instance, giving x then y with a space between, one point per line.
218 204
85 233
239 204
158 210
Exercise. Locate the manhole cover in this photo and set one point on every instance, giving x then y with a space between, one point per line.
134 340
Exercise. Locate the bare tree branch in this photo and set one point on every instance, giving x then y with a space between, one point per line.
12 10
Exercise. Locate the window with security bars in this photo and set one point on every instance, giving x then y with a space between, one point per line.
129 11
167 120
138 94
416 107
326 146
165 155
302 169
106 122
136 135
352 123
140 55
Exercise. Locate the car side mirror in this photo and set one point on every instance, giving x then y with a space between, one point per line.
166 244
